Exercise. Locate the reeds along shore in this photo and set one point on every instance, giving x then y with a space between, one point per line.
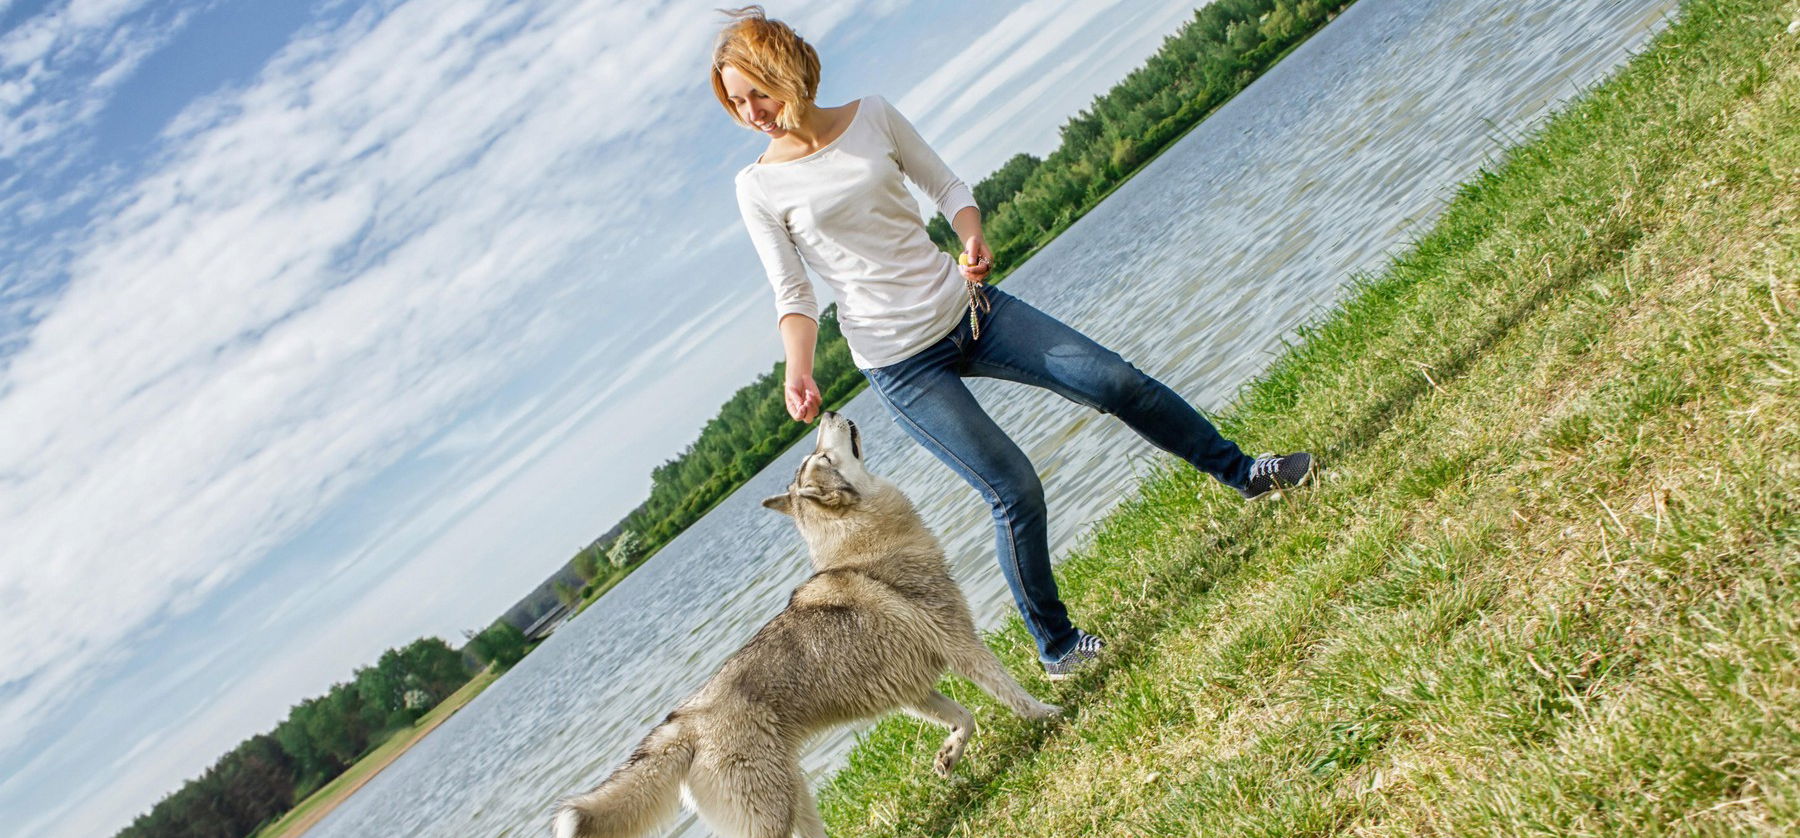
1547 584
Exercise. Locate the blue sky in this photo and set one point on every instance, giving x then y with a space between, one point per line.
326 326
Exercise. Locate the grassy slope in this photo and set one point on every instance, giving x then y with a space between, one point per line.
1548 581
320 803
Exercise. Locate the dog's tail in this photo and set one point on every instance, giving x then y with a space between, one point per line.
639 795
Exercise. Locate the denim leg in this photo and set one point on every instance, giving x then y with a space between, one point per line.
929 400
1020 343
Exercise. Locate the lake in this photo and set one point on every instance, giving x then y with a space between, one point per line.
1197 270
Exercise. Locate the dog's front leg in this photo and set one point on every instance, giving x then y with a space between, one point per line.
937 707
976 662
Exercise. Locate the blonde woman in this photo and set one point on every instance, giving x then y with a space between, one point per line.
828 194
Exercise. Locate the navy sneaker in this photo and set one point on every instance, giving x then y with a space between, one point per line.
1087 650
1270 474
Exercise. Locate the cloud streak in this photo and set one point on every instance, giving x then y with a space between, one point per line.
325 268
58 69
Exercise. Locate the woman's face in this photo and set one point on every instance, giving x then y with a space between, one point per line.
753 106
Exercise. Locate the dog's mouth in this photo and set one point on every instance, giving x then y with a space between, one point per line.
828 422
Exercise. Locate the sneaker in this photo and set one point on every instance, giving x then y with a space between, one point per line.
1270 474
1087 649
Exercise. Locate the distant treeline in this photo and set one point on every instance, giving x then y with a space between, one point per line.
1024 205
265 775
751 429
1027 202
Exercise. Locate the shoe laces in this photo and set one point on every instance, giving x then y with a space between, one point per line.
1265 466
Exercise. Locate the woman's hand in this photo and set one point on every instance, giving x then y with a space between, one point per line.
803 401
981 259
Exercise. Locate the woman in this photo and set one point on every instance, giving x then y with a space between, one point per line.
827 193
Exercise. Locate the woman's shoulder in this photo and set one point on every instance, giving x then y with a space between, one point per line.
857 108
878 110
744 182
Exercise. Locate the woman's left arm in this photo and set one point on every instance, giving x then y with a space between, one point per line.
923 165
967 225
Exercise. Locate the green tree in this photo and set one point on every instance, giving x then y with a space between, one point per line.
587 562
500 645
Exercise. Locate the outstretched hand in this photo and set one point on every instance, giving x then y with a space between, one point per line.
802 397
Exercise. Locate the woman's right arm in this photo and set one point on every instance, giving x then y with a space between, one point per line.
799 337
796 310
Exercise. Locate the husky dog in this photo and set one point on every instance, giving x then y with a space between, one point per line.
871 631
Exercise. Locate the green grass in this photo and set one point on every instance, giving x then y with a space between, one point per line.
1547 584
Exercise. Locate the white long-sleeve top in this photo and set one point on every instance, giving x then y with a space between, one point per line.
844 212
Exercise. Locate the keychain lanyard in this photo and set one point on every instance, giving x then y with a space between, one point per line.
978 301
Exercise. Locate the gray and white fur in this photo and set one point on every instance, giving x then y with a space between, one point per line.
873 629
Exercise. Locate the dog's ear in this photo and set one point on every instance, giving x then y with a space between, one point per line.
842 494
780 503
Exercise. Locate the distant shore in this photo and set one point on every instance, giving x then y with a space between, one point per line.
321 803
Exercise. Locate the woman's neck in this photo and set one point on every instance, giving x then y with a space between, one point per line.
812 123
817 128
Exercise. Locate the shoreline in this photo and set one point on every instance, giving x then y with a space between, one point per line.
322 802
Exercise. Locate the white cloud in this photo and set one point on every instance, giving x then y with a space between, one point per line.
479 433
322 270
59 68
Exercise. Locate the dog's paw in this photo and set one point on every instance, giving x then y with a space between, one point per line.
1043 712
948 756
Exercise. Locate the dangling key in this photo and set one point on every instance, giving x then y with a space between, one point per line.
978 299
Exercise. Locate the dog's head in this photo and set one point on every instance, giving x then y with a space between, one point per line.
831 480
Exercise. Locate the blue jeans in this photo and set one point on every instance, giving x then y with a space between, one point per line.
1019 343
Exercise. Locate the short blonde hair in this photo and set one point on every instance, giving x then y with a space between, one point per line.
773 57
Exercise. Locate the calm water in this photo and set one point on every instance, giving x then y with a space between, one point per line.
1195 271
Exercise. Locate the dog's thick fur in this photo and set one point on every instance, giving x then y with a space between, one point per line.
871 631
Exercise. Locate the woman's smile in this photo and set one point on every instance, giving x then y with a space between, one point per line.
764 117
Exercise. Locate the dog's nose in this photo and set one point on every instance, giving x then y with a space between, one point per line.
827 415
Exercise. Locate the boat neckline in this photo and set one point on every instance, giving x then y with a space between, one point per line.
854 116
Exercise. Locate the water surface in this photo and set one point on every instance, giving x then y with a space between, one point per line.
1196 270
